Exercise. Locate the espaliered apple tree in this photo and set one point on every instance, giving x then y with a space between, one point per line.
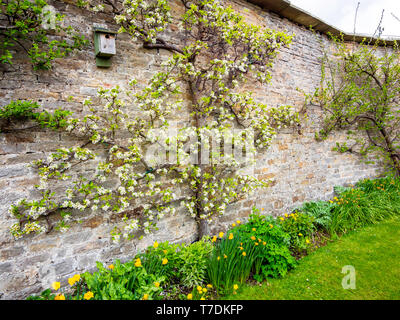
360 93
213 53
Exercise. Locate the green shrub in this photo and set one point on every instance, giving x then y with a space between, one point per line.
300 227
193 262
128 281
321 211
260 247
273 255
161 259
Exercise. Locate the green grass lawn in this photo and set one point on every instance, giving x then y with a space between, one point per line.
373 251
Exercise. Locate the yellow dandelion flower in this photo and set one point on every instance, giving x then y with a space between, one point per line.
230 236
300 234
59 297
225 256
238 222
56 285
218 258
165 251
244 253
286 215
281 219
199 288
253 229
307 241
111 266
77 277
256 243
157 284
253 238
165 261
88 295
233 224
145 296
214 239
189 296
202 298
155 245
204 290
209 286
264 243
235 287
221 234
271 226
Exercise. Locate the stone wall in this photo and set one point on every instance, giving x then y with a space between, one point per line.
303 168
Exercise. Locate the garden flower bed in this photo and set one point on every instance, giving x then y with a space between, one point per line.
263 248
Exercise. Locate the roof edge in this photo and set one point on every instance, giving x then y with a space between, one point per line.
285 9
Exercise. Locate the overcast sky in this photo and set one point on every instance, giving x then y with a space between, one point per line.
340 14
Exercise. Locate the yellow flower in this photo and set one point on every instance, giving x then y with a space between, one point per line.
202 298
262 209
190 296
264 243
254 229
138 263
145 296
74 279
165 251
244 253
238 222
235 287
88 295
300 234
199 288
221 234
155 245
157 284
111 266
307 241
286 215
271 226
256 243
209 286
225 256
204 290
214 239
281 219
230 236
218 258
59 297
253 238
56 285
164 261
233 224
241 248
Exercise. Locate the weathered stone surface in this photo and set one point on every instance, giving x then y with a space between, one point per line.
302 168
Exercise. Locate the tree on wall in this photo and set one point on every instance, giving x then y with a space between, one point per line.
28 25
359 93
213 54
